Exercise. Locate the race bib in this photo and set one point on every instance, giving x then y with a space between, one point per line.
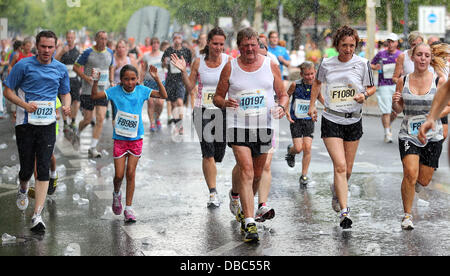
208 96
72 73
414 124
341 96
44 115
388 70
252 102
127 124
301 108
103 80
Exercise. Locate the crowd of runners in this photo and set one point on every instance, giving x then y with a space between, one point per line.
237 103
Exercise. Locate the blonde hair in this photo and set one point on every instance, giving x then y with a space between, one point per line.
439 54
413 36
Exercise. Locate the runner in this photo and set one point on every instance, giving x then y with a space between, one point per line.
154 106
38 79
174 83
102 58
251 82
384 62
280 52
349 83
68 54
128 99
404 65
440 104
302 126
413 97
206 70
23 53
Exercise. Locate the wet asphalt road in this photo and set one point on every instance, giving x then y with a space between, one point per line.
170 202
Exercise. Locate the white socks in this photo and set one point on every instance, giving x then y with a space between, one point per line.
94 143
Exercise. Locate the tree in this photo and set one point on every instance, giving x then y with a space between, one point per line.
297 11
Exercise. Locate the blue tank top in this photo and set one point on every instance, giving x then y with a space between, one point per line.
302 92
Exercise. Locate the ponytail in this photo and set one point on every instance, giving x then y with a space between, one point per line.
439 54
211 34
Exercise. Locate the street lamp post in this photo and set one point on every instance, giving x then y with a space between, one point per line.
406 21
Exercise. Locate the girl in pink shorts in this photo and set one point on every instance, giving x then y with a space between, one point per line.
128 98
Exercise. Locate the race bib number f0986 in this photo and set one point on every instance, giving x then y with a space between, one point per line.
414 124
301 108
44 115
341 96
252 102
208 96
127 124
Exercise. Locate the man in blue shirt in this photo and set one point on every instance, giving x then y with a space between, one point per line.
38 80
280 52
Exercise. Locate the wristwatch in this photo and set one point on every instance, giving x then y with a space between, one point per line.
366 96
284 109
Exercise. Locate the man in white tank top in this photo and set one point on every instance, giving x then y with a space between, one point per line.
251 82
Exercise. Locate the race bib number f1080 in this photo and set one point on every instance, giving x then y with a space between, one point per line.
341 96
44 115
127 124
252 102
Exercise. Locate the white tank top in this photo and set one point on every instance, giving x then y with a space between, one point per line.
408 64
208 78
255 95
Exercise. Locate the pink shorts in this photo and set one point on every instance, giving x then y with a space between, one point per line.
122 148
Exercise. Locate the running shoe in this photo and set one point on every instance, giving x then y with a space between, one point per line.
388 138
117 203
419 188
346 222
93 153
37 224
130 217
234 204
152 128
241 219
407 223
158 124
22 200
31 192
304 180
290 158
214 201
251 233
53 183
334 201
66 128
264 213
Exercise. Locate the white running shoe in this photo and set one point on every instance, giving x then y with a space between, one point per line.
235 204
93 153
334 201
264 213
22 200
407 223
388 138
37 224
214 201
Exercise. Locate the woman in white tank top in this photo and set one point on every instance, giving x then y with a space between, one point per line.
209 121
